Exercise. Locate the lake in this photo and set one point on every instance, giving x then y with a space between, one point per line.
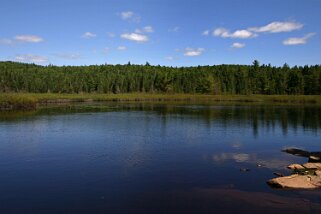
154 158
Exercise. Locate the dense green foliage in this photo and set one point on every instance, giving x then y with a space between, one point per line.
220 79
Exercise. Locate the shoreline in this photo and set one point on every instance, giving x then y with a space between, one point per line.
30 101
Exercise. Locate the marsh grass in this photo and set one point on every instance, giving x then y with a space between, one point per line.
17 101
26 101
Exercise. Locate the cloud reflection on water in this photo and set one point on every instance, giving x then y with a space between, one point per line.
272 162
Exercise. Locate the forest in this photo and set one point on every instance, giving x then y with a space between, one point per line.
130 78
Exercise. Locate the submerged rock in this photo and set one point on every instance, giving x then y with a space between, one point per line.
313 156
305 176
297 152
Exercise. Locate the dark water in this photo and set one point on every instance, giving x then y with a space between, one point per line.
154 158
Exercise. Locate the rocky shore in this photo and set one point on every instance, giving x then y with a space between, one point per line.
303 176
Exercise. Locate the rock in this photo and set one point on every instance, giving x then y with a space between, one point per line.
312 166
297 152
295 166
315 157
297 182
305 176
244 170
318 173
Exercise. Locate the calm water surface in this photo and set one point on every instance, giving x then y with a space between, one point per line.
154 158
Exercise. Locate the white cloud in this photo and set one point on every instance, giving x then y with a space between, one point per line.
121 48
170 58
89 35
6 42
237 45
130 16
221 32
30 58
21 39
206 33
193 51
126 15
278 27
240 34
146 29
69 56
298 41
135 37
273 27
28 38
174 29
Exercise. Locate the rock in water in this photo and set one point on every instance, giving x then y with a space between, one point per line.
297 152
305 176
297 181
295 166
315 157
312 166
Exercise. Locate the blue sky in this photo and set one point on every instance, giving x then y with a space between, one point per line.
165 32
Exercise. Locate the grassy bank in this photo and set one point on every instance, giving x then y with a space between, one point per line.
18 101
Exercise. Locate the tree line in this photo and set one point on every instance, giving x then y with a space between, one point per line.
217 79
